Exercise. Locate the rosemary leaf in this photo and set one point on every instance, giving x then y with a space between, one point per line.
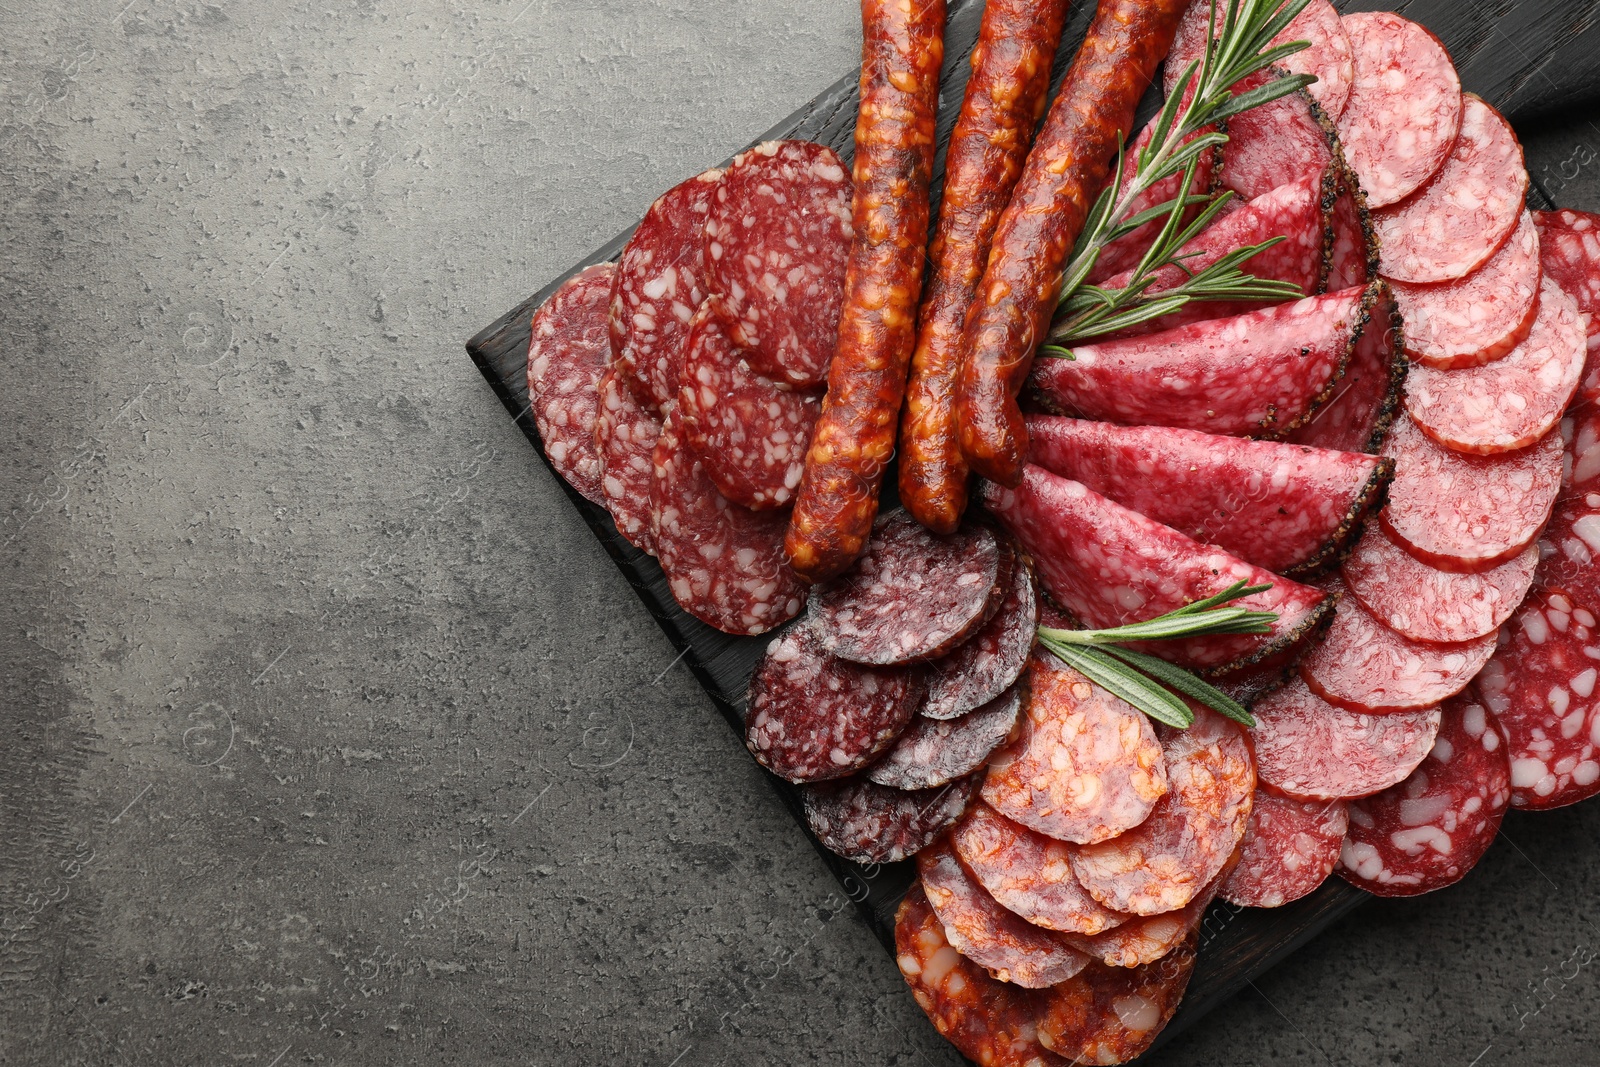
1122 681
1185 682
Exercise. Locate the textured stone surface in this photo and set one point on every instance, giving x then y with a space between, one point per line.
328 734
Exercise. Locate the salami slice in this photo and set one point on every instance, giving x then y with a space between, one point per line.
778 237
1164 862
1147 938
1481 317
1290 848
1329 57
1428 604
870 823
933 752
1288 139
913 595
1461 218
991 660
1308 749
1358 415
751 433
1462 512
1364 666
1569 252
1353 246
814 716
1257 374
1286 508
567 353
625 435
1114 1014
1404 109
1086 766
724 562
1110 566
1007 947
1514 401
1430 830
661 280
1541 688
1571 541
1028 873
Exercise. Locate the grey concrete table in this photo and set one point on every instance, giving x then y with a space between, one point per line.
329 735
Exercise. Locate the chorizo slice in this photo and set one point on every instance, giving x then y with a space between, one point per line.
1114 1014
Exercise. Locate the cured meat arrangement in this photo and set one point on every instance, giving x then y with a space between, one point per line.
1246 524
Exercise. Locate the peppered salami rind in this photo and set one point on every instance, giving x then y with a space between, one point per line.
1431 829
1358 415
568 351
625 436
989 662
871 823
1114 1014
1352 244
1481 317
932 752
1290 848
1428 604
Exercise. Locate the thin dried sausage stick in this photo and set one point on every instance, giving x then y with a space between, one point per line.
1067 167
902 49
1005 97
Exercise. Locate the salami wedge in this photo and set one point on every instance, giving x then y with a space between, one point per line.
1571 541
625 435
1110 566
1290 848
1352 245
1569 252
1114 1014
989 662
1364 403
567 353
1286 508
1329 57
1287 139
1430 830
1428 604
933 752
1308 749
870 823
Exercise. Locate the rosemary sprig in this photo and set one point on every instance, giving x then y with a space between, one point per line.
1153 685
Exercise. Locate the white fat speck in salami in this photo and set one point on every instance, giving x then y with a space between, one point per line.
567 353
933 751
1514 401
1329 57
1431 829
1463 216
724 562
625 435
1481 317
1290 848
871 823
1569 252
989 662
1308 749
1570 544
1429 604
1404 109
1358 415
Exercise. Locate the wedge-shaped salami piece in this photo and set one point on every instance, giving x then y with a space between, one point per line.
1362 665
1541 687
1255 375
1164 862
1427 604
871 823
1353 246
1113 1014
1569 252
1431 829
1111 566
1309 749
1086 766
1286 140
1514 401
1009 948
933 752
1464 215
1570 547
1404 109
1328 58
1144 939
1289 849
1028 873
1462 512
1478 318
567 352
1364 403
625 436
913 595
1287 508
989 662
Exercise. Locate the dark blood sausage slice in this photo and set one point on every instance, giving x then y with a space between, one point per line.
567 353
871 823
1514 401
1569 252
724 562
625 436
1405 106
1286 508
777 238
1328 58
1431 829
1110 566
1144 939
1481 317
1363 665
1086 766
986 664
1428 604
1289 849
661 279
1352 245
1164 862
1571 541
750 432
1541 687
1028 873
1288 139
913 596
1309 749
902 49
1465 214
933 752
1460 512
1005 96
1009 948
1113 1014
1358 415
1069 164
1257 374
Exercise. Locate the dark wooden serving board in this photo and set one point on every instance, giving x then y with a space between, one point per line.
1528 58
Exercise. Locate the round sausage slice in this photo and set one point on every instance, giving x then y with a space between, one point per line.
1428 604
